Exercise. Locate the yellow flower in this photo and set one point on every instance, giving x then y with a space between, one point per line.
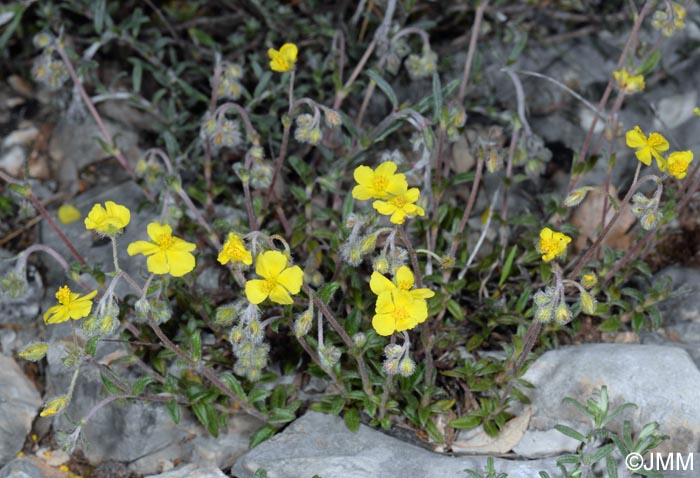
552 244
677 164
278 280
284 59
378 184
647 147
68 214
70 306
403 280
234 251
396 310
168 254
628 83
54 406
110 220
400 205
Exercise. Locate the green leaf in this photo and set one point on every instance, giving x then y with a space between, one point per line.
258 394
327 290
261 435
454 309
262 84
235 386
570 432
279 416
91 345
521 37
141 384
110 386
196 346
99 14
603 452
136 74
611 324
466 422
508 265
649 63
490 428
174 410
352 419
385 87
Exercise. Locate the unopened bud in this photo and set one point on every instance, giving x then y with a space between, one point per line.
368 243
381 264
225 315
393 351
543 314
54 406
576 196
589 280
303 323
563 314
406 367
587 303
34 351
391 366
359 339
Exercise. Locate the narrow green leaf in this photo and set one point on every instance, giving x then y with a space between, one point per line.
327 290
570 432
174 410
385 87
235 386
141 384
649 63
454 309
466 422
265 433
110 386
508 265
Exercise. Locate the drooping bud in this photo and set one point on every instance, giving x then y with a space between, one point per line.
34 351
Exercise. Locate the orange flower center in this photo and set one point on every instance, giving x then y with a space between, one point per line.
63 295
165 241
399 201
269 284
380 182
405 285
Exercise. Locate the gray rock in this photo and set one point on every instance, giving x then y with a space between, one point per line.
140 434
30 467
19 403
684 303
318 444
71 152
191 471
647 375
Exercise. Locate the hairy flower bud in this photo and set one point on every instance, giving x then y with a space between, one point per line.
390 366
588 304
589 280
406 367
393 351
381 264
14 285
576 196
302 324
563 314
329 355
359 339
34 351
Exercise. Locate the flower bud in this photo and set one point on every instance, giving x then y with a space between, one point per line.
14 285
650 220
302 324
254 331
236 335
541 299
543 314
332 118
576 196
315 136
587 303
329 355
406 367
161 311
54 406
142 308
393 351
226 315
381 264
359 339
589 280
391 366
34 351
368 243
563 314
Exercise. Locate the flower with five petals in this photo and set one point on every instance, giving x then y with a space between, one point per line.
166 254
278 279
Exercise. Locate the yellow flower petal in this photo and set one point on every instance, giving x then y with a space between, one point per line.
68 214
180 262
404 278
256 291
387 168
384 304
142 247
384 207
158 263
279 295
384 324
291 278
378 283
156 231
635 138
269 264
